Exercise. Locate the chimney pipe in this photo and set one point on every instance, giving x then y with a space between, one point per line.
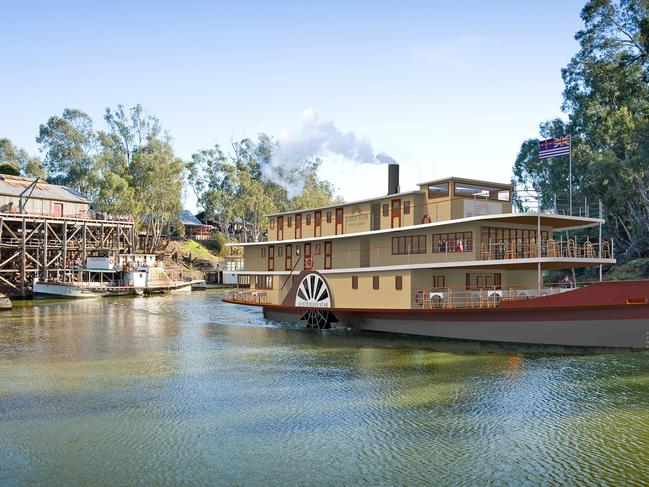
393 179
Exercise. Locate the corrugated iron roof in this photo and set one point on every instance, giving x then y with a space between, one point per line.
14 185
189 219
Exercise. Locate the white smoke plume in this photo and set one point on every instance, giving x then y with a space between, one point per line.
318 138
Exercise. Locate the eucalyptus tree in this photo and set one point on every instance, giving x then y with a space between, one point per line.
18 161
71 147
606 97
158 181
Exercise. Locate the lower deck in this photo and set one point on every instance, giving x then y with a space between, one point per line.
406 289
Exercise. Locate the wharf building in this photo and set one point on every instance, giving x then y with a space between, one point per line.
46 230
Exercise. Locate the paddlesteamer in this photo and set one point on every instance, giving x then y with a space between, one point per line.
449 259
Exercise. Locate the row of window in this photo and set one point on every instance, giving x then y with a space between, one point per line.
453 242
317 218
501 235
473 281
317 250
396 208
317 215
441 190
261 282
442 242
413 244
307 254
398 282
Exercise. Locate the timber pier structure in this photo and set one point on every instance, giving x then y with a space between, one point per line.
39 246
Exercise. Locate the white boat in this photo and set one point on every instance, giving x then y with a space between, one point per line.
123 275
64 290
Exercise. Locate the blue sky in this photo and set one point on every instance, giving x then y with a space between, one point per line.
443 87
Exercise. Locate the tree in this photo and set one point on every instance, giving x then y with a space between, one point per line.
158 178
215 181
315 192
127 133
243 186
17 161
70 145
606 97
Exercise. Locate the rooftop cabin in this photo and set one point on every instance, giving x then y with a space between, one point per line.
439 200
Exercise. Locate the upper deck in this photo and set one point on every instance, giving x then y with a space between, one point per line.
435 201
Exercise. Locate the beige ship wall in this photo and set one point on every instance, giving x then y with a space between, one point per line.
387 296
422 280
381 247
356 252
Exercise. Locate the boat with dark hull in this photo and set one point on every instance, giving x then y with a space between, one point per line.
451 260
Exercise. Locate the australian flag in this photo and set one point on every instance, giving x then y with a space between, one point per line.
559 146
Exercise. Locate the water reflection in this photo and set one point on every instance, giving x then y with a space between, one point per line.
186 390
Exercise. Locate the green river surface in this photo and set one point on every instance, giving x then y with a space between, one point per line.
187 390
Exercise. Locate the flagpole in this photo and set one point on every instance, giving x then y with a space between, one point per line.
570 173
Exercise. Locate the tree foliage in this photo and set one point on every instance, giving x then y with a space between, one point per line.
71 147
128 169
235 187
606 97
18 162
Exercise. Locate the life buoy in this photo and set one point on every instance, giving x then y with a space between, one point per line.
425 219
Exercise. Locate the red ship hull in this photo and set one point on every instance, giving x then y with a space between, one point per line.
607 314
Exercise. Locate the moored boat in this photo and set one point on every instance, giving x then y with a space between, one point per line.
122 275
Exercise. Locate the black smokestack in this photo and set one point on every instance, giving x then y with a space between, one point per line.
393 178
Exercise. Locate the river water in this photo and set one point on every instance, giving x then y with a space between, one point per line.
187 390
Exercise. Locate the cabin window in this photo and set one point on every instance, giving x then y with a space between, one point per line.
339 221
280 251
406 207
289 221
413 244
508 243
327 255
308 218
298 226
243 281
483 280
453 242
329 217
288 261
479 191
354 282
272 223
318 249
437 190
386 209
271 257
280 228
439 282
264 282
307 249
398 283
375 282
